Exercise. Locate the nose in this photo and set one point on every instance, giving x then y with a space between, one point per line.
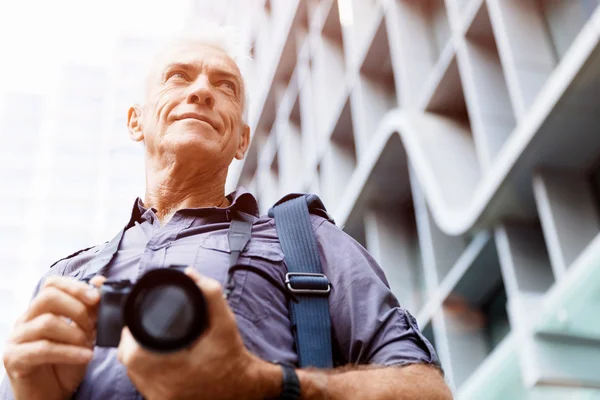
201 93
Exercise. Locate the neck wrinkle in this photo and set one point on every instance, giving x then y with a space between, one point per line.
173 188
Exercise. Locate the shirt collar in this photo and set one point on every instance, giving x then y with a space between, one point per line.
241 200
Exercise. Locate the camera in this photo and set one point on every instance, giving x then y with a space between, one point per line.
164 310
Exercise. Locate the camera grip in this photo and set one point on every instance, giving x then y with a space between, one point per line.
110 319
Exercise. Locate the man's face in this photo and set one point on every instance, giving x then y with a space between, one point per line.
193 108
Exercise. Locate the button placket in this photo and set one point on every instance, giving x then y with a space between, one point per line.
155 253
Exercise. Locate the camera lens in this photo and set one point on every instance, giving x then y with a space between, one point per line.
165 310
170 303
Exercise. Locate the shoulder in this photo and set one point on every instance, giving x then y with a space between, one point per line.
72 263
331 236
267 225
69 265
326 232
344 257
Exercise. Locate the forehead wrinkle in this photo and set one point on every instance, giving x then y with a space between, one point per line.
182 65
192 59
224 64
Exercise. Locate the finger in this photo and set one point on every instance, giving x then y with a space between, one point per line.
98 280
192 273
52 300
213 292
20 358
76 289
129 350
52 328
138 360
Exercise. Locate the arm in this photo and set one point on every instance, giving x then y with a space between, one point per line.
218 366
372 329
417 381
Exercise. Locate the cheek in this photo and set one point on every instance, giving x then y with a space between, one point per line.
234 124
164 102
162 107
234 112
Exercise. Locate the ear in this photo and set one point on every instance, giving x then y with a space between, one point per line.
244 143
134 123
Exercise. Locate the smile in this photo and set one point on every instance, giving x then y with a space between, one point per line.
197 118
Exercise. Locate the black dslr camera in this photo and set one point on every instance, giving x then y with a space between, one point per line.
164 310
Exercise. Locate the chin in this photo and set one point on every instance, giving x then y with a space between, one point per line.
190 144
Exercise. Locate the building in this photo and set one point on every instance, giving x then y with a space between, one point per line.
457 141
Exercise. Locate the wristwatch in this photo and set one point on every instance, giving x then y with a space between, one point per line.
290 385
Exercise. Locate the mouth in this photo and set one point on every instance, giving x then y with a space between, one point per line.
197 117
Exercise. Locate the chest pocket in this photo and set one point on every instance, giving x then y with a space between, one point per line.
253 297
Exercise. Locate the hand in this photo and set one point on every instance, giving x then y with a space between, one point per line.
217 366
51 344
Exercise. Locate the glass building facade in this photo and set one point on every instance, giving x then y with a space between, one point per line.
457 141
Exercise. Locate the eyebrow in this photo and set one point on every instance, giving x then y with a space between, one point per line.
178 65
212 70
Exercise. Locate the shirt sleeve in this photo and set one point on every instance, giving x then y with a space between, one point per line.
368 324
5 390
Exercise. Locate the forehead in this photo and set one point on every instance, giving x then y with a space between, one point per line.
195 53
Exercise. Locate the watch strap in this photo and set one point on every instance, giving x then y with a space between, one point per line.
291 384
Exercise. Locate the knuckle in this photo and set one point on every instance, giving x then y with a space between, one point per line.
16 373
14 334
43 346
49 294
51 281
47 321
20 320
79 336
11 363
7 357
81 313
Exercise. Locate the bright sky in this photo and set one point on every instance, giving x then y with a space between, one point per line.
36 36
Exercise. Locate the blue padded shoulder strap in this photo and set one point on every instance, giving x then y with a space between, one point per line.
310 318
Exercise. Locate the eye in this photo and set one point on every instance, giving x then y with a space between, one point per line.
176 75
227 85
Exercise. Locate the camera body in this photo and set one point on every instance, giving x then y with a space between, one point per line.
113 296
164 310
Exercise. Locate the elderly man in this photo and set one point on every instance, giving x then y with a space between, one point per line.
192 126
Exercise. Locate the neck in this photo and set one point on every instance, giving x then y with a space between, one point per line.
176 187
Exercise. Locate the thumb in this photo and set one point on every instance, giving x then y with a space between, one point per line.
213 292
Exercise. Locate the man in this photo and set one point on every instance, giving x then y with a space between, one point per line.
192 126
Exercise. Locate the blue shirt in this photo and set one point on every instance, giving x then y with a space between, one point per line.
368 324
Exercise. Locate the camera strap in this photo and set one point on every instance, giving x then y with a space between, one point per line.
99 264
239 234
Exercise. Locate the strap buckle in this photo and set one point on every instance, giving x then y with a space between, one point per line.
311 284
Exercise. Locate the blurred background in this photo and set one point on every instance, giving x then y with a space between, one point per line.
456 140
